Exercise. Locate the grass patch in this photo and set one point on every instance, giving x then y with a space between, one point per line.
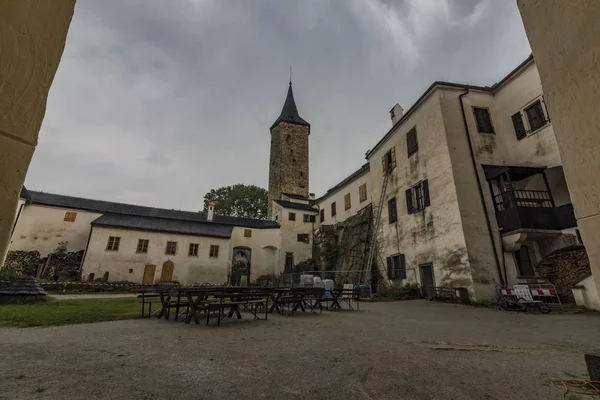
66 312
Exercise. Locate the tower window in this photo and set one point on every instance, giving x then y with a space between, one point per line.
301 173
292 216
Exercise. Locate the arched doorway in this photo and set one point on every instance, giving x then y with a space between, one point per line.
241 266
166 274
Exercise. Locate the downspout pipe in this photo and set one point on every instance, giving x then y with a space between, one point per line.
480 189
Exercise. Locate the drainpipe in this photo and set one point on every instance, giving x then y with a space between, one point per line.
485 210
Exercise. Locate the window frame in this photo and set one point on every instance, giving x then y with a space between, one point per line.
362 193
291 216
213 251
303 237
519 125
142 246
322 215
347 201
488 114
387 158
113 243
412 142
333 209
412 201
70 216
169 248
536 104
247 233
396 266
193 249
392 210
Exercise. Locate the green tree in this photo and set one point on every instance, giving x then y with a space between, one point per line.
246 201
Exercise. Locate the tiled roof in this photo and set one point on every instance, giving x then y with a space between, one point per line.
101 206
24 286
295 196
289 113
163 225
295 206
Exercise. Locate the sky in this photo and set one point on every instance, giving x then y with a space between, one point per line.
156 102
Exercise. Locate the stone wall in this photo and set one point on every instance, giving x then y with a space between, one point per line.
288 168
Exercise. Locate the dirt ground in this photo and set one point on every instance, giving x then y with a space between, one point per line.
401 350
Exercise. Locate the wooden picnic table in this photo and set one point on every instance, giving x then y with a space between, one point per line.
345 295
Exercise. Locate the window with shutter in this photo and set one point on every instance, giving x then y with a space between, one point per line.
535 116
390 268
362 192
483 119
333 210
402 267
411 141
347 201
517 121
392 210
322 215
426 201
409 201
388 161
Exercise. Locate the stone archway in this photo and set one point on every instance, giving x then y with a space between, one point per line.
241 266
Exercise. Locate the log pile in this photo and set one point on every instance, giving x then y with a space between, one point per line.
565 268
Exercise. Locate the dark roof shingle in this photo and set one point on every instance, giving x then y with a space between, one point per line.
163 225
101 206
289 112
296 206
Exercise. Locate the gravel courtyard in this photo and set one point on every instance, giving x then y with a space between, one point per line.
401 350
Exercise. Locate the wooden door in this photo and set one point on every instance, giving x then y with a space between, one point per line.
149 273
167 271
427 281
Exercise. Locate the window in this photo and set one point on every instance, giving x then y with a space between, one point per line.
520 131
347 201
483 119
535 116
362 192
247 232
214 251
322 215
333 209
292 216
392 210
171 248
396 267
308 218
388 160
417 197
142 246
411 141
303 237
70 216
113 243
193 251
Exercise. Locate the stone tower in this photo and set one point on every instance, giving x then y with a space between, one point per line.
288 168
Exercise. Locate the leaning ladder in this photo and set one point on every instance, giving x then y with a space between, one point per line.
366 275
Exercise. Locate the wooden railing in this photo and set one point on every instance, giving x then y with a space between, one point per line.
522 198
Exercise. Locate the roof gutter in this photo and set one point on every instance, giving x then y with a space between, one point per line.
479 188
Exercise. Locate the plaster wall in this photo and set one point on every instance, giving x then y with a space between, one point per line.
187 269
563 37
32 39
42 228
352 188
434 235
264 245
289 234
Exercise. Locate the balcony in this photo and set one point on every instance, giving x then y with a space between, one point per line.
518 208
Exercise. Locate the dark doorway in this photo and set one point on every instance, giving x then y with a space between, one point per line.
427 280
289 263
524 261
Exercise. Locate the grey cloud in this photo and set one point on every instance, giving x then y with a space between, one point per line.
156 102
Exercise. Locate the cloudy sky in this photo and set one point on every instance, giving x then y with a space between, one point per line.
156 102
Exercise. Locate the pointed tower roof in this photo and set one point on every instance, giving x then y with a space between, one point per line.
289 113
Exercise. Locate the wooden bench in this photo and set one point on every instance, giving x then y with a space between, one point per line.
148 299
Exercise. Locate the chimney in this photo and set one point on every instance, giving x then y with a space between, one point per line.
211 211
396 113
311 196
